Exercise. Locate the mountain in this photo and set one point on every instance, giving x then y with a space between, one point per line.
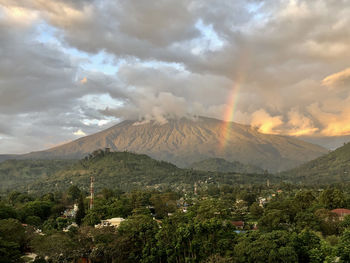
184 141
17 174
122 170
223 166
331 168
4 157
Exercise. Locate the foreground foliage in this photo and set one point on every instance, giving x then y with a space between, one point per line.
293 225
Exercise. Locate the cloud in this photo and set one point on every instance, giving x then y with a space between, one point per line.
341 78
79 133
299 125
83 80
265 122
169 59
333 123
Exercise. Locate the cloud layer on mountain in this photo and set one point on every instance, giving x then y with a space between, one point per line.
70 68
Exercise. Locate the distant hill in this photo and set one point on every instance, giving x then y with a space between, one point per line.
17 174
4 157
223 166
185 141
121 170
331 168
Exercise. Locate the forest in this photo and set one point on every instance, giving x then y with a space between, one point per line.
124 170
211 223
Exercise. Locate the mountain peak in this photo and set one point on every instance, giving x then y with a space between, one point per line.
183 141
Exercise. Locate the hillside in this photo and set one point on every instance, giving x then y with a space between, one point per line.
4 157
223 166
185 141
331 168
17 174
121 170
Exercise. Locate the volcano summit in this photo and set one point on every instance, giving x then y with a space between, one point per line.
184 141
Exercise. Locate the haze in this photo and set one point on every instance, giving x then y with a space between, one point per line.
74 67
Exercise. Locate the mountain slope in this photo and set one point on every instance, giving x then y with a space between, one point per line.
4 157
123 170
16 174
185 141
331 168
223 166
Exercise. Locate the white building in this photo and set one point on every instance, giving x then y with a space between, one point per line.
110 222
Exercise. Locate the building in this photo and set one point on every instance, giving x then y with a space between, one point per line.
341 213
238 224
71 213
110 222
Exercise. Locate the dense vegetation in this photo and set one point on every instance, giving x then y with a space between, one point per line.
124 170
171 214
223 166
292 225
18 174
331 168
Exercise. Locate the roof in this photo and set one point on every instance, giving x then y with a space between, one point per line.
238 223
341 211
115 219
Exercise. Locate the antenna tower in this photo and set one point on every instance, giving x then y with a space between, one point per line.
92 192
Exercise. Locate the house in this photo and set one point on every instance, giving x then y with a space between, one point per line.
71 213
262 201
341 213
238 224
110 222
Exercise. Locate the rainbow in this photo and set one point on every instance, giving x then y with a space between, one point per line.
230 112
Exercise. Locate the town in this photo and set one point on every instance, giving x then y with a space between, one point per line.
218 223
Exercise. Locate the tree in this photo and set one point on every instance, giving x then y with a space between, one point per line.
272 247
9 251
332 198
304 242
136 239
12 240
163 204
304 199
344 246
274 219
81 211
256 211
74 192
104 244
41 209
49 225
92 218
107 193
7 211
33 220
59 247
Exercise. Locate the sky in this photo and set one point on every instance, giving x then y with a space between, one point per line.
70 68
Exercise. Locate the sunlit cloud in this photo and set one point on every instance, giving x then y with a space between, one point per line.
265 122
336 79
83 65
19 14
299 125
84 80
79 133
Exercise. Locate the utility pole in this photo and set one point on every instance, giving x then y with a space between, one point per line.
92 192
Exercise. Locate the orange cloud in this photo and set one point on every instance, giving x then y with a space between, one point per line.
265 122
83 81
19 15
337 79
334 123
299 125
